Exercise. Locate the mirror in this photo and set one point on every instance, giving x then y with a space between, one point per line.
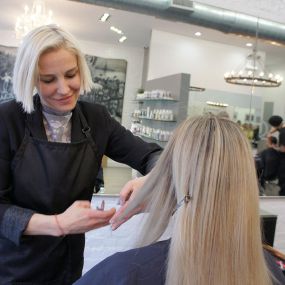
157 47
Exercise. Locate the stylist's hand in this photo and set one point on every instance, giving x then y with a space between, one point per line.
81 218
127 193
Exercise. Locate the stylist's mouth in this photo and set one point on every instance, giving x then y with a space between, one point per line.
65 99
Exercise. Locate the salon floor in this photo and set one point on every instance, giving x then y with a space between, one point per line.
104 242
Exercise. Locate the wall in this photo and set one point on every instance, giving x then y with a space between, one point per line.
207 62
276 95
8 38
238 108
134 57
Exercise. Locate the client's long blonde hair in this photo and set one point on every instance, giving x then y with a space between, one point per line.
216 238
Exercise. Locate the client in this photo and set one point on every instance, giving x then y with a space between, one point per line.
205 183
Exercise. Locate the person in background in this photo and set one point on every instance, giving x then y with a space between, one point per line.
51 148
277 125
269 165
204 184
248 130
281 173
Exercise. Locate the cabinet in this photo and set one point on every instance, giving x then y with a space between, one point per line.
161 108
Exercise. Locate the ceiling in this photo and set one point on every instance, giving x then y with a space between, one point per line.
81 19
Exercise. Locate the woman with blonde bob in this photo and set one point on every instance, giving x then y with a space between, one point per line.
51 148
205 180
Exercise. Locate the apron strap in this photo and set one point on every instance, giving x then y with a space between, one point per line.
28 120
86 130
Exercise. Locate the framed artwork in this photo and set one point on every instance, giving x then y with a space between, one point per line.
7 60
109 76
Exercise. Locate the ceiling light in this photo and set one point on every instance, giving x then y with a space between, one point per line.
122 39
104 17
198 34
116 30
217 104
253 74
33 18
276 44
248 44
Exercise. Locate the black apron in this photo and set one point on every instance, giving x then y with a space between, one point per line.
48 177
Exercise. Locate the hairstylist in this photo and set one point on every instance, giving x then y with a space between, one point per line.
51 147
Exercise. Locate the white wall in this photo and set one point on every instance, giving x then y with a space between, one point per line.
133 56
8 38
207 62
277 95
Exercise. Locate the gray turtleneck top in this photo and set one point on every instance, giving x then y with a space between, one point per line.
57 125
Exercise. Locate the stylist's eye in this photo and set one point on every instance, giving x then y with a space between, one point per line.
47 80
71 75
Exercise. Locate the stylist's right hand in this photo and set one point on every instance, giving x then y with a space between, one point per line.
81 218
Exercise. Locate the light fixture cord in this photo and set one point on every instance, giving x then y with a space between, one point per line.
254 68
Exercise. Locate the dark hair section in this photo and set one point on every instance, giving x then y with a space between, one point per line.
272 140
275 121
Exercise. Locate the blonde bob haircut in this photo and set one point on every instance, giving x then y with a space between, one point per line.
216 236
37 42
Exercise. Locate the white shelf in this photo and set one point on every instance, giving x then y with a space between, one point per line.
148 137
147 118
156 99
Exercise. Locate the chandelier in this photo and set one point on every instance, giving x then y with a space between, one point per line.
253 74
253 71
33 18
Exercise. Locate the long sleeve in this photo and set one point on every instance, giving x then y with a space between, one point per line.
117 142
13 219
124 147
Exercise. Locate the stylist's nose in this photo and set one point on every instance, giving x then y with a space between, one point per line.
62 87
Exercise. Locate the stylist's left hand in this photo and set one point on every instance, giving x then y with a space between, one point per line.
81 218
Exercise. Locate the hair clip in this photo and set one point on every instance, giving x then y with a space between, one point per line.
185 200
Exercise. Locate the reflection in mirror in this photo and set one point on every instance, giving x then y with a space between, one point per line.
235 104
249 118
157 47
206 61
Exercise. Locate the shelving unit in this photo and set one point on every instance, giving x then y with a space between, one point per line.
156 99
156 118
146 118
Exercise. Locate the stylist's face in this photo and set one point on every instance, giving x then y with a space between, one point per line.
59 80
